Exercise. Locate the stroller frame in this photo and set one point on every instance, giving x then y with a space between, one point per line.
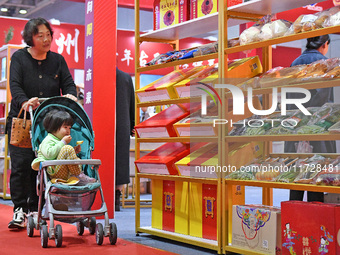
82 218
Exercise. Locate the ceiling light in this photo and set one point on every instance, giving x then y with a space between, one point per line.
4 9
22 11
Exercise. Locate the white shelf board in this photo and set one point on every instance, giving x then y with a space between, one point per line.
209 23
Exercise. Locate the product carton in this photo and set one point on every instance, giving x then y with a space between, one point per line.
170 12
257 228
310 228
201 8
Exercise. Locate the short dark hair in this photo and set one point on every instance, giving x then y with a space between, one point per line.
316 42
31 29
55 119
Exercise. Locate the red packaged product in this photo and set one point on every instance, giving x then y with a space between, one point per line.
310 228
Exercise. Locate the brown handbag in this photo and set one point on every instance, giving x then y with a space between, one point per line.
20 132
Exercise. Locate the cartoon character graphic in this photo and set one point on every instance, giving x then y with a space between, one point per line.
324 241
289 234
207 6
169 18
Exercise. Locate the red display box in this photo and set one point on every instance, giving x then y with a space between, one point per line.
163 159
310 228
161 125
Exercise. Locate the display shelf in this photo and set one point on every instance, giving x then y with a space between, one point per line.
178 178
169 101
253 9
284 39
292 137
3 84
280 185
178 139
206 243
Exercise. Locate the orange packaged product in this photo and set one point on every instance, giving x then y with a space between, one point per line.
162 88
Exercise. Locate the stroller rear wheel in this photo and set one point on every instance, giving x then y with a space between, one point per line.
92 225
99 234
58 235
80 228
30 226
44 236
113 233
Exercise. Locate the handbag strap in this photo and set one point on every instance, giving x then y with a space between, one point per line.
24 123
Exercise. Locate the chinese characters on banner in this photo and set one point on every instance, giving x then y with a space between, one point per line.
88 62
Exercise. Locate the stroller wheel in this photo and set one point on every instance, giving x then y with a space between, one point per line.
80 228
30 226
58 236
113 233
92 225
99 233
44 236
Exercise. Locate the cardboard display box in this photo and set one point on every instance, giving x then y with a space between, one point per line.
201 8
257 228
170 12
310 228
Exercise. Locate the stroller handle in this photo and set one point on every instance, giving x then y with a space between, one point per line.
71 162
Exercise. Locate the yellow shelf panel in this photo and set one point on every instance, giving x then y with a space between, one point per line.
201 242
293 137
177 139
279 40
177 178
280 185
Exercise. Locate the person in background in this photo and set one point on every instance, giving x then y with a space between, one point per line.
125 119
35 72
316 49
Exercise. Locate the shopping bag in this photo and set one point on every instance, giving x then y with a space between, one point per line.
20 132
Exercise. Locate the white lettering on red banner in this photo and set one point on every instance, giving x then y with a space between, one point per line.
68 42
127 56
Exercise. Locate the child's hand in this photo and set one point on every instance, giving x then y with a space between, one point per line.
67 139
77 149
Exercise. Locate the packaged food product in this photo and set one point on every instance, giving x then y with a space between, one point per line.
274 29
302 24
252 34
333 17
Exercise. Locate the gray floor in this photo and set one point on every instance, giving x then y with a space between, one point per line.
125 220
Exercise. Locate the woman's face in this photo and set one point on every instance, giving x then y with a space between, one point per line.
43 39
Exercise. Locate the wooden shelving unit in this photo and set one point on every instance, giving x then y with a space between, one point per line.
6 51
235 15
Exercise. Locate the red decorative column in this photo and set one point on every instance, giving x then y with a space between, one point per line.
100 87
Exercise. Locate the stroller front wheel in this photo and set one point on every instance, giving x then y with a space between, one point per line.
80 228
113 233
92 225
58 235
44 236
99 234
30 226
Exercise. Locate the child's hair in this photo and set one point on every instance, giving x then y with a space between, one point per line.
55 119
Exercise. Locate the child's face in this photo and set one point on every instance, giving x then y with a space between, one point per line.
63 131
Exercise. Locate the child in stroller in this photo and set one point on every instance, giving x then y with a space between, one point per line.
58 124
77 200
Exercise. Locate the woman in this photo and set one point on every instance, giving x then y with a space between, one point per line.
317 48
35 72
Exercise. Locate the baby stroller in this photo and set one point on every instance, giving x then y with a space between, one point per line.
70 204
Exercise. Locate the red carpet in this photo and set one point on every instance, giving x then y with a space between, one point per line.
17 241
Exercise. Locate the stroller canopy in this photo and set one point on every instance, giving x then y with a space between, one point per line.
81 129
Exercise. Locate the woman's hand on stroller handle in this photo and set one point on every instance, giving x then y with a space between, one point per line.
34 102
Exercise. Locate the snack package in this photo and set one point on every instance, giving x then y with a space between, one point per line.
269 171
241 175
302 24
332 17
274 29
310 168
201 50
252 34
329 177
